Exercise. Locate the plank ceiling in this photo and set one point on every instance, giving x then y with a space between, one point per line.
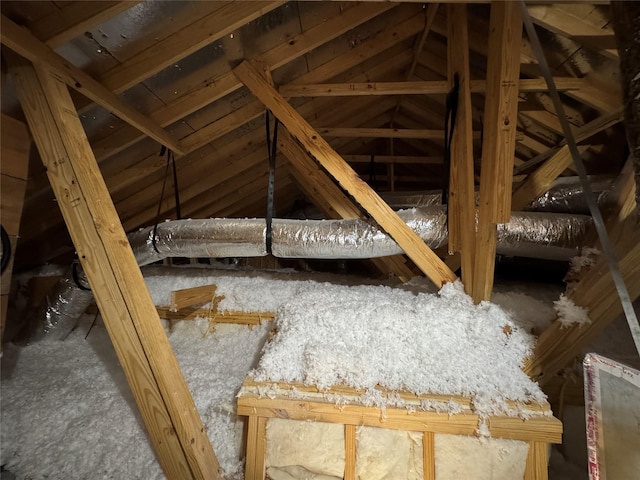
171 61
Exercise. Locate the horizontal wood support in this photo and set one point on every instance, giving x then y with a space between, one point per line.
386 133
398 159
539 428
406 238
437 87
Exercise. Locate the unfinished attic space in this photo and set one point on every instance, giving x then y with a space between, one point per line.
320 240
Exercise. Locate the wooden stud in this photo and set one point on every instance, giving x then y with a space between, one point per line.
501 105
174 426
462 197
349 452
428 456
413 246
252 447
536 466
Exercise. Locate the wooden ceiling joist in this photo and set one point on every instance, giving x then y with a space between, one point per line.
384 133
529 85
412 245
412 159
174 426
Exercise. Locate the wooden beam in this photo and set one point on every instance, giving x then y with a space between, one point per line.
462 197
596 292
75 19
349 452
539 181
175 429
498 149
406 238
563 23
202 32
382 133
24 43
436 87
408 159
192 296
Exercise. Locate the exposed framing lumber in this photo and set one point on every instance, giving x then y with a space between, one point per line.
327 196
192 296
537 427
527 85
498 149
462 202
75 19
350 452
581 134
24 43
200 33
557 346
562 22
408 159
406 238
384 133
539 181
174 426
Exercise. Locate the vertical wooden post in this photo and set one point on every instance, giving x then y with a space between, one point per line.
428 456
500 120
254 468
462 202
536 466
349 452
174 426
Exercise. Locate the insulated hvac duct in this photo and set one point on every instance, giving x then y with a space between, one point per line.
528 234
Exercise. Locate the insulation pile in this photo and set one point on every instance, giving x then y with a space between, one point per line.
67 412
364 336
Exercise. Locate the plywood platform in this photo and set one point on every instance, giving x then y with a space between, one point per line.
531 423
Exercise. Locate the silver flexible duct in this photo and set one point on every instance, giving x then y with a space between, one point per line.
528 234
